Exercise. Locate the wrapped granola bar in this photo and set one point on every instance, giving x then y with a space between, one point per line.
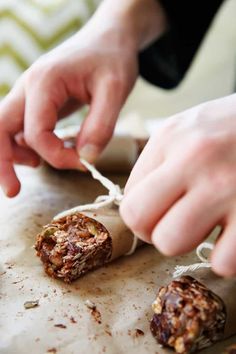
120 154
188 316
74 244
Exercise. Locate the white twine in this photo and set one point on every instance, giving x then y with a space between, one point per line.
114 196
205 263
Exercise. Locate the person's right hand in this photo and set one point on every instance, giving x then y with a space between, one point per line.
94 67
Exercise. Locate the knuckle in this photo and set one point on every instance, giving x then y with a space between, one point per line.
131 217
222 181
115 81
30 138
204 145
165 131
39 72
201 149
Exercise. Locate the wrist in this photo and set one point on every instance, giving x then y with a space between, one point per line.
136 23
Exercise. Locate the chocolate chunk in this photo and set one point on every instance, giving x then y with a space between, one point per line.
187 316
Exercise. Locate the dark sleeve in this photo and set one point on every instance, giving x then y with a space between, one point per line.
166 61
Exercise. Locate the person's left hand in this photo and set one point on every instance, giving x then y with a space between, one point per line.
184 184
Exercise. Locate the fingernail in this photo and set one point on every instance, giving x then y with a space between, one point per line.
89 152
161 244
144 237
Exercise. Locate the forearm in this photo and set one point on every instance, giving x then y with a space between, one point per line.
140 21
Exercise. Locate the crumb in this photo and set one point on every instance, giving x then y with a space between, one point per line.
52 350
31 304
72 320
60 325
135 333
45 295
138 332
37 339
108 332
91 305
16 282
96 315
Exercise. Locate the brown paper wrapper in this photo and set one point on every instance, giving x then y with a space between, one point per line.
76 243
123 291
122 237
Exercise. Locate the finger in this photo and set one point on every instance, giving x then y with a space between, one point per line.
12 109
223 256
149 200
20 139
11 121
8 179
98 126
187 223
150 159
25 156
40 119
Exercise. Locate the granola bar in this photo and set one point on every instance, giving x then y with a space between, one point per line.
71 246
187 316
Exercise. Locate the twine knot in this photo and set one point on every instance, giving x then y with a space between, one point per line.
114 197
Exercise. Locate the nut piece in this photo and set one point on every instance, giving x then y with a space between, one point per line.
73 245
187 316
90 304
31 304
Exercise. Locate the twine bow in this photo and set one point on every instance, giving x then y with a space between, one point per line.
114 196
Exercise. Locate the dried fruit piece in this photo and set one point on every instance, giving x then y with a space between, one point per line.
187 316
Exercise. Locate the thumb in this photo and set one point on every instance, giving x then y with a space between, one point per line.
98 127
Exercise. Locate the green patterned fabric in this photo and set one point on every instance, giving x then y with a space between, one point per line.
28 28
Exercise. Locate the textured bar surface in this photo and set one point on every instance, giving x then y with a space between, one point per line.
187 316
73 245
